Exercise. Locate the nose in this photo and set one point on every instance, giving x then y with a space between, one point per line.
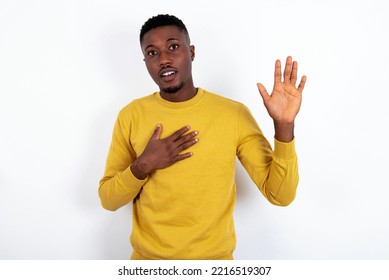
164 59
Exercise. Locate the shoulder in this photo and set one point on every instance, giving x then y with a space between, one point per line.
137 105
223 102
232 110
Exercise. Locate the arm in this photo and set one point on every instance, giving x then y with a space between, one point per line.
274 172
119 186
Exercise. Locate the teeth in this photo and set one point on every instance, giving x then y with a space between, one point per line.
168 73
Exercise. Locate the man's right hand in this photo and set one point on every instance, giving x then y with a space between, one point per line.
161 153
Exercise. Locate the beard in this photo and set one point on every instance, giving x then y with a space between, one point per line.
173 89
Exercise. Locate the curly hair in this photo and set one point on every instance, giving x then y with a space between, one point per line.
161 20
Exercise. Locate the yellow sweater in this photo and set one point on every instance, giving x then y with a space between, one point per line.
186 210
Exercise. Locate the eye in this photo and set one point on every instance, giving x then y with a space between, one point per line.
173 47
151 53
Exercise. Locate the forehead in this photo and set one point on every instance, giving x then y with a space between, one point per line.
163 34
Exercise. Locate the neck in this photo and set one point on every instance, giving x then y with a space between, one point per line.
184 94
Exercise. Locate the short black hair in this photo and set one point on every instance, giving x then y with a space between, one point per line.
161 20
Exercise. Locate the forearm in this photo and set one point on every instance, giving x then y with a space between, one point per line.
119 190
281 184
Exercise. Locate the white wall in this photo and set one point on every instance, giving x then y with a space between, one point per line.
67 67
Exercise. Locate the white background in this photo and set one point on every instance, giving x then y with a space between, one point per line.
68 67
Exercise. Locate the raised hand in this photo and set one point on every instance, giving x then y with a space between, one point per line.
285 100
161 153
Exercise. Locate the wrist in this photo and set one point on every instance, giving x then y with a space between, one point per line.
138 170
284 132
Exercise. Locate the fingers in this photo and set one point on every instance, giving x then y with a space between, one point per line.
176 135
157 132
182 156
302 84
290 73
288 69
293 77
186 141
277 72
262 90
182 143
179 141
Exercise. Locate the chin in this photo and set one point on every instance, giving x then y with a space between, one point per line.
173 89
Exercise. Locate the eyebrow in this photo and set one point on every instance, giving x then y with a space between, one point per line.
170 39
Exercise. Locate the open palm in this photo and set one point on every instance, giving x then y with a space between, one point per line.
285 100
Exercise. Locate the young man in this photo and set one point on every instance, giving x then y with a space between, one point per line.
173 153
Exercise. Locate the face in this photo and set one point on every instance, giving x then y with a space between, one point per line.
168 57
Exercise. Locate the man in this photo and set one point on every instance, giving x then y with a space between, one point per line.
173 153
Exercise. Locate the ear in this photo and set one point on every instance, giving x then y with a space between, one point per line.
192 52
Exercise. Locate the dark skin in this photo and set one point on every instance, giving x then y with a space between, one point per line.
168 56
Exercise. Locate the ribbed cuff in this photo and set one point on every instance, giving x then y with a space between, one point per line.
130 180
283 150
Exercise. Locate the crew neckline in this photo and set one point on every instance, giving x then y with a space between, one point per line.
179 105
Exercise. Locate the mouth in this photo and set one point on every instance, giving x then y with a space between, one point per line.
168 75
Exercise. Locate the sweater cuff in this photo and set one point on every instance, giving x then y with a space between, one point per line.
131 181
284 150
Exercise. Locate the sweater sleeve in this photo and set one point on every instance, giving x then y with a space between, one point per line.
119 186
274 172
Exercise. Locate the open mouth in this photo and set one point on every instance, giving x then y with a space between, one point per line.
168 75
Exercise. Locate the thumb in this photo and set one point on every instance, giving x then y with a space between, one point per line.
157 132
262 90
